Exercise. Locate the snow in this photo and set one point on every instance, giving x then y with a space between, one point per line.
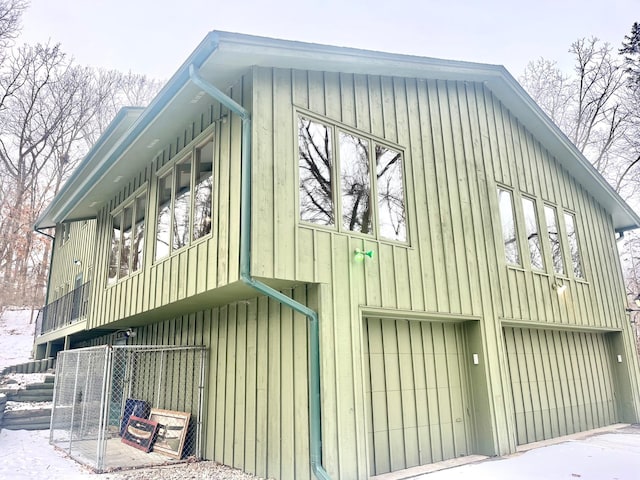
16 337
608 456
26 455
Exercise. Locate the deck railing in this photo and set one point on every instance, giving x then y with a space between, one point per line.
64 311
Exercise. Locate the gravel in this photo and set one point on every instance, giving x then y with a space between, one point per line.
203 470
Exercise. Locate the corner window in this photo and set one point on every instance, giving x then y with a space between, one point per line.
368 204
127 238
553 235
184 201
509 235
574 250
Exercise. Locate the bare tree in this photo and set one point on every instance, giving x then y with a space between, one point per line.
597 105
10 15
589 105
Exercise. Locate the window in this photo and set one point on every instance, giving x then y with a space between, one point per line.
316 170
163 220
202 191
532 231
65 232
509 235
574 251
367 204
127 238
355 183
182 204
554 239
185 196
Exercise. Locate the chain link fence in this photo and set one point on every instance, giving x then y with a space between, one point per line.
119 407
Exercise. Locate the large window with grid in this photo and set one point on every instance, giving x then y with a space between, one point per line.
350 181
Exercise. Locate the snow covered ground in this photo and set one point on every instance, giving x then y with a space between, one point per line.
16 337
611 456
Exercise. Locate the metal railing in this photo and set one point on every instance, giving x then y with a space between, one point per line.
64 311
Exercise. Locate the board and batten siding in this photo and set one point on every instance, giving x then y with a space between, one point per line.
459 144
256 403
562 382
418 393
64 269
208 263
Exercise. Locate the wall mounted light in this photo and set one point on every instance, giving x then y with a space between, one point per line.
128 333
636 302
476 359
77 262
359 255
619 358
559 286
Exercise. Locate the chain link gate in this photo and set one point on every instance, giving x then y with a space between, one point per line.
118 407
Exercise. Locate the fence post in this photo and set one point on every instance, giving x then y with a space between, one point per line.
200 402
73 402
104 408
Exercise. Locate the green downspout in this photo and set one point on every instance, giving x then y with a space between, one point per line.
315 432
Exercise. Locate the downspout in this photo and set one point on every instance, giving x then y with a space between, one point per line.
53 244
315 432
46 294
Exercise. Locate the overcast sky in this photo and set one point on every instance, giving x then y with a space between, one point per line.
154 37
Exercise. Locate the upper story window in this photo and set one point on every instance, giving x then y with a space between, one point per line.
574 249
509 233
127 237
548 233
532 232
553 234
353 174
184 201
64 232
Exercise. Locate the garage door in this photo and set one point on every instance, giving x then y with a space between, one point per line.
561 382
417 388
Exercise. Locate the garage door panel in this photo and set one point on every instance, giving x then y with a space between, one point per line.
419 417
561 382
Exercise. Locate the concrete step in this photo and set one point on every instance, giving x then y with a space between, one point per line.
29 419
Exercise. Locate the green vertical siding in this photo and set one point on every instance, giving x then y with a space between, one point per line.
562 382
205 265
459 144
416 386
80 246
256 403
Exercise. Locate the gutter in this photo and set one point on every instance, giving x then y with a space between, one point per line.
315 430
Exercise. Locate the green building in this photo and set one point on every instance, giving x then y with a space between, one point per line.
392 260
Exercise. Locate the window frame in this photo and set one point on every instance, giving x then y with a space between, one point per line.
569 262
188 153
130 202
561 240
336 129
516 231
536 213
